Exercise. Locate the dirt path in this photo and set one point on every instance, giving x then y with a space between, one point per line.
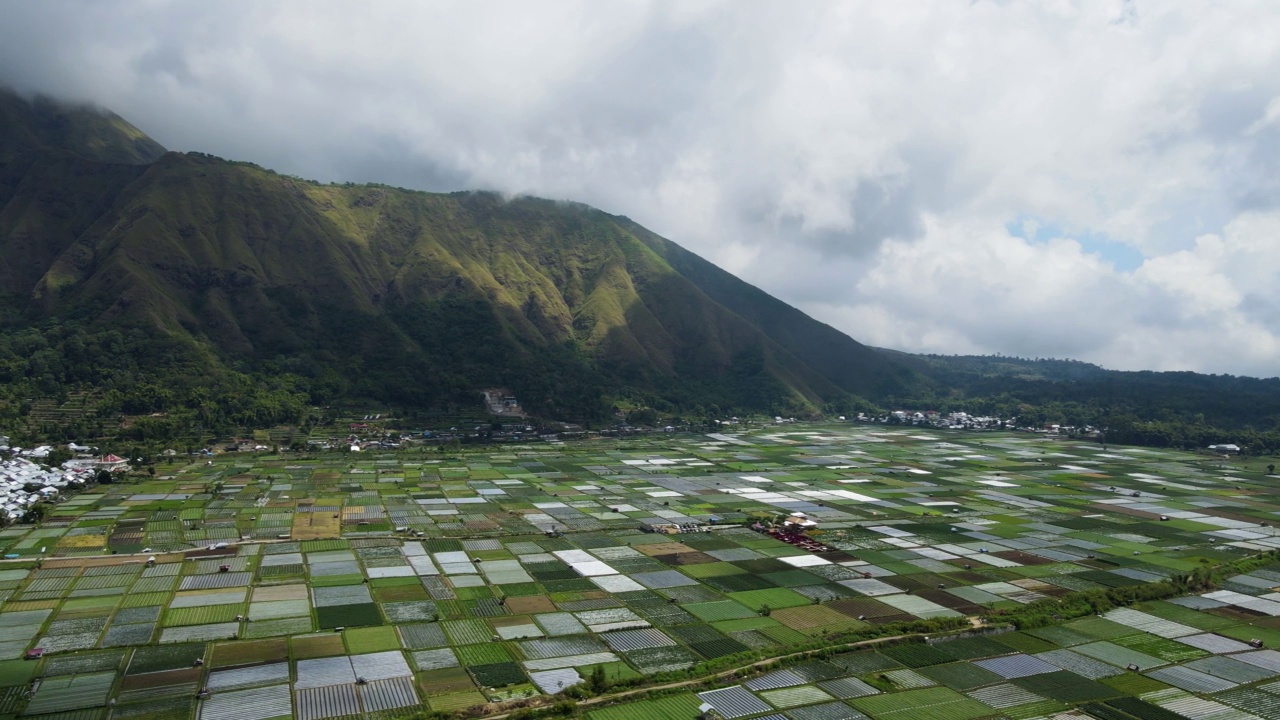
124 558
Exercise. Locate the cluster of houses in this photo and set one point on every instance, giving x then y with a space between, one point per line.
965 421
24 482
932 418
364 436
240 445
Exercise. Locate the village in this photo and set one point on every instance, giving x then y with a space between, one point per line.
25 482
961 420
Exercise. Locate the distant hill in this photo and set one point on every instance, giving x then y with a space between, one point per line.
1082 393
374 292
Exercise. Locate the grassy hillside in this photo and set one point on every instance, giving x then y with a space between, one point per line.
224 294
468 288
848 363
376 292
44 125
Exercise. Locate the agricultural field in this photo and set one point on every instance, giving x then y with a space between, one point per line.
364 584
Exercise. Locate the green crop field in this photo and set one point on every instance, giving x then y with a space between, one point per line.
675 707
923 704
348 615
519 569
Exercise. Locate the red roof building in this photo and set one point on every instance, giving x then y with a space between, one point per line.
112 463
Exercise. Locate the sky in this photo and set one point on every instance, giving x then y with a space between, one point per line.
1088 180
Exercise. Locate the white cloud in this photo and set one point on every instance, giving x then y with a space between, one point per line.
861 160
964 288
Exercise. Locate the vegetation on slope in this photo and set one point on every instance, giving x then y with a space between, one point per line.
218 268
1162 409
41 124
172 283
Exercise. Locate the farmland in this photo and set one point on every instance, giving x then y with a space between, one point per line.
413 582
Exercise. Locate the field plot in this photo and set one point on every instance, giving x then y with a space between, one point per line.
315 526
924 704
248 676
675 707
433 581
328 701
734 702
795 696
254 704
71 692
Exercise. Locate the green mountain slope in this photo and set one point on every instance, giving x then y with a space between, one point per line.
846 362
224 294
45 125
417 298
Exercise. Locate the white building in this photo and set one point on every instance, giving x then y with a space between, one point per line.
19 474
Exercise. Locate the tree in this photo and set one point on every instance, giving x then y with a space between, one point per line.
643 416
35 513
598 682
57 456
104 477
1271 469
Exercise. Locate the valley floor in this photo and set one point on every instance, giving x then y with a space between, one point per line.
407 583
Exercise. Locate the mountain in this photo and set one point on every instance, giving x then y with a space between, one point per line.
1078 393
191 292
211 267
44 125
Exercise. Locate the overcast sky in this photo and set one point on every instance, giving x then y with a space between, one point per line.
1094 180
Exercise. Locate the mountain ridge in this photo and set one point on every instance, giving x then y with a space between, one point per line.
218 293
44 124
1077 393
457 291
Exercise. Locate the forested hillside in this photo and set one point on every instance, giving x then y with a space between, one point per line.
1166 409
194 294
164 284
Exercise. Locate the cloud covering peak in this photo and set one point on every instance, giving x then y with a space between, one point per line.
1086 179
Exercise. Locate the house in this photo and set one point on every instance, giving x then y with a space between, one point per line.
799 521
669 527
19 475
112 463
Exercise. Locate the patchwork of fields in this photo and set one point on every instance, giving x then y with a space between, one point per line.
412 582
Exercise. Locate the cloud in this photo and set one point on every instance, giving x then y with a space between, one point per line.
861 160
966 288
